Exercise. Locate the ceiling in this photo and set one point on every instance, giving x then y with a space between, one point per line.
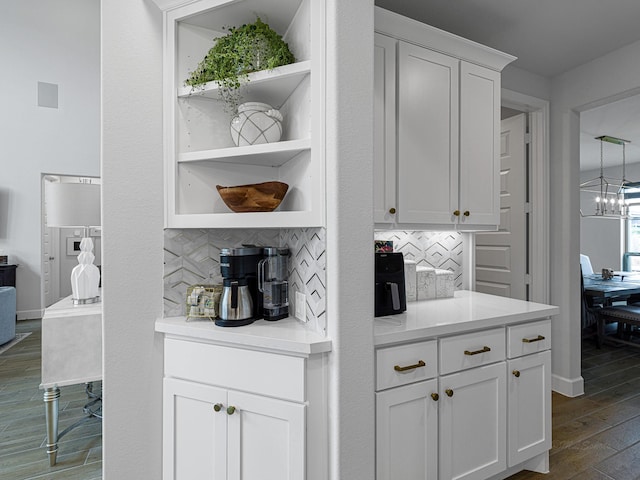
549 37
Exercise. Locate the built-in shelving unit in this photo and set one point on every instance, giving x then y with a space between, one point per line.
199 152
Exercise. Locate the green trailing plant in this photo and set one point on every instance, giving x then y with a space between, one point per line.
245 49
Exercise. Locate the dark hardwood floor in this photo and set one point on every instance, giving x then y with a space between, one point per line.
595 437
22 424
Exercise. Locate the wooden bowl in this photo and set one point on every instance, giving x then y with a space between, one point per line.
256 197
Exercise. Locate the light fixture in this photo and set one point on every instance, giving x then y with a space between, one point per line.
609 193
77 205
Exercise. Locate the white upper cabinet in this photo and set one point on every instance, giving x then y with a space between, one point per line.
199 151
439 154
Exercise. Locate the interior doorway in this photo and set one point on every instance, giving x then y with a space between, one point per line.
61 246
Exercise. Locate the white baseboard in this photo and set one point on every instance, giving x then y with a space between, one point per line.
567 386
29 314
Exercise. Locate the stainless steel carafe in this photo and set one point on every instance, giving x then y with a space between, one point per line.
272 282
236 306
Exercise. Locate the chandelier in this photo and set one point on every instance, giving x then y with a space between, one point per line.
610 201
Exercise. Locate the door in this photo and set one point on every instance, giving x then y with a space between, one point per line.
428 126
501 257
473 428
384 128
195 431
50 263
407 432
529 405
266 438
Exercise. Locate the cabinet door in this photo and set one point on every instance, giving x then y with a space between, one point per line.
407 432
384 129
479 145
195 434
427 135
266 438
473 427
529 397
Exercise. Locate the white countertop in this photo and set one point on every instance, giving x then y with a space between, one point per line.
464 312
286 335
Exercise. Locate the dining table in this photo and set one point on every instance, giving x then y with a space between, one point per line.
619 288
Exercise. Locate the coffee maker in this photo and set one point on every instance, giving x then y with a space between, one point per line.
273 284
241 301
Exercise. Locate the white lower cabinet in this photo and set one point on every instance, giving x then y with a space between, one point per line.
473 423
407 432
233 413
529 406
215 433
486 416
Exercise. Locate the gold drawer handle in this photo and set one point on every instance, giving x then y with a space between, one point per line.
231 410
531 340
466 213
435 397
456 213
449 392
476 352
217 407
516 373
420 363
392 211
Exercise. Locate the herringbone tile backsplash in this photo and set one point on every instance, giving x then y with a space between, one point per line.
191 256
429 249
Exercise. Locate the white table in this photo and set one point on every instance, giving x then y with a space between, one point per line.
71 354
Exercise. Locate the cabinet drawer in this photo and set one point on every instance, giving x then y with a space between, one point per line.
471 350
263 373
528 338
405 364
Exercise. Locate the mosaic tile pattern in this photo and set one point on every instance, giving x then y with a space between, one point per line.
191 256
429 249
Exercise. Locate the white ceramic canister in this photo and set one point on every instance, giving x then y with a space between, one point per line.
256 123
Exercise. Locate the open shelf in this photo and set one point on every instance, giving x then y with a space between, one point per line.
267 86
265 154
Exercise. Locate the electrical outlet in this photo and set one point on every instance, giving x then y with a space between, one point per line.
301 307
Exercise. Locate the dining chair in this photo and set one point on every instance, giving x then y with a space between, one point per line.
585 265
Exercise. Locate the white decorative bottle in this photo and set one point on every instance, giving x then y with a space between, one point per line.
85 277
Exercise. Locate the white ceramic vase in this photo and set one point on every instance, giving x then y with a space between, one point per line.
256 123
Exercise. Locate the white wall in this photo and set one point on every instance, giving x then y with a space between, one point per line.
132 238
522 81
53 42
601 81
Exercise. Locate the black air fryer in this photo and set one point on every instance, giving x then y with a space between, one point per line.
390 294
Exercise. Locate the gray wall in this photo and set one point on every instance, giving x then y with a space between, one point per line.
36 140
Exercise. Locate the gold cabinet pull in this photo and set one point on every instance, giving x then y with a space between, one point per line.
516 373
420 363
217 407
456 213
449 392
231 410
531 340
466 213
476 352
435 397
392 211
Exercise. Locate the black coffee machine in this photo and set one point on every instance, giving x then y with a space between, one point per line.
390 294
239 266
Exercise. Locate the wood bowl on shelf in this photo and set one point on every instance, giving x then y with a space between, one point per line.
255 197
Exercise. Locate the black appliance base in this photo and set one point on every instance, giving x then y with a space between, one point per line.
233 323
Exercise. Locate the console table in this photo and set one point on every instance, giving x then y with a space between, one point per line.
71 354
